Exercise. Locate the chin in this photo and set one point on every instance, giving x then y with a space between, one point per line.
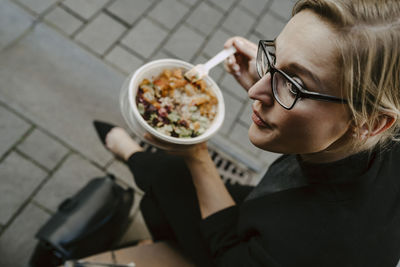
261 139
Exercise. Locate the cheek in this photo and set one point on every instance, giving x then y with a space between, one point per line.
301 131
315 131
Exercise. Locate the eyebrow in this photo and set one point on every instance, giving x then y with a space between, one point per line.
301 69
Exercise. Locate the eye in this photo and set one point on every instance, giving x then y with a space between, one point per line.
298 81
292 88
273 56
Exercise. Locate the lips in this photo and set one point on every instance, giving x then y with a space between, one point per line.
258 121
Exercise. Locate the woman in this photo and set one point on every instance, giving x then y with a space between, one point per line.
326 94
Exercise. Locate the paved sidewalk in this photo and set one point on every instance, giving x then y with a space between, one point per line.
62 63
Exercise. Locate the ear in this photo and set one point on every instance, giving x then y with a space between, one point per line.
384 121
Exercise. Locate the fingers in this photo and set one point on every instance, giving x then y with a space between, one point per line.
246 51
233 41
171 148
243 46
231 66
157 142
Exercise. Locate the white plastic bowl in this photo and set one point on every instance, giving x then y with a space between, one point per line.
136 122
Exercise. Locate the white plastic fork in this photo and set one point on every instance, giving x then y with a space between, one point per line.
201 70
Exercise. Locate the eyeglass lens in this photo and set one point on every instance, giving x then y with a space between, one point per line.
284 91
263 65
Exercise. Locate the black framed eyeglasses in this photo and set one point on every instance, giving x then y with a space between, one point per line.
285 89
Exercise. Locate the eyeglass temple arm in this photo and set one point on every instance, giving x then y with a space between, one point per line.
324 97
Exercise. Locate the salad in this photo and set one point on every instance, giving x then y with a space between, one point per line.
176 107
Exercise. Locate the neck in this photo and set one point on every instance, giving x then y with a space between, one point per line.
340 149
336 151
326 156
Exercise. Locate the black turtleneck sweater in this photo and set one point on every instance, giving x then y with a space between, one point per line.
345 213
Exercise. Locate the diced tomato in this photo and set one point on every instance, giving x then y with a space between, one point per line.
162 112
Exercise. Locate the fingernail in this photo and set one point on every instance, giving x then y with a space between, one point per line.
237 73
230 60
239 42
236 67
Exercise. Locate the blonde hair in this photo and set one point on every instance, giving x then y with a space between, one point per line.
369 55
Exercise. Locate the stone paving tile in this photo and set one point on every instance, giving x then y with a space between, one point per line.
240 132
145 37
123 60
224 4
19 177
100 33
231 112
161 54
184 43
237 27
38 6
230 84
85 8
283 8
269 27
14 21
217 72
81 88
245 116
43 149
12 128
168 13
63 20
18 241
254 6
74 174
254 38
189 2
204 18
129 10
216 42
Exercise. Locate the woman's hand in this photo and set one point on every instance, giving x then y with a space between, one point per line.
189 152
242 65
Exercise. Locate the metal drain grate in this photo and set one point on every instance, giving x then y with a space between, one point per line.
230 171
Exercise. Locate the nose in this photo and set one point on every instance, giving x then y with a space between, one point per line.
262 91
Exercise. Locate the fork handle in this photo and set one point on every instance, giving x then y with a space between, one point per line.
218 58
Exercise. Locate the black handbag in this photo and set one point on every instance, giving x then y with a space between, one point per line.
90 222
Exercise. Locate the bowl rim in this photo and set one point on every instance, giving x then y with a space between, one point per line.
215 125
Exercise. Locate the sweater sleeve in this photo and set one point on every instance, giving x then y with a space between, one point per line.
229 249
